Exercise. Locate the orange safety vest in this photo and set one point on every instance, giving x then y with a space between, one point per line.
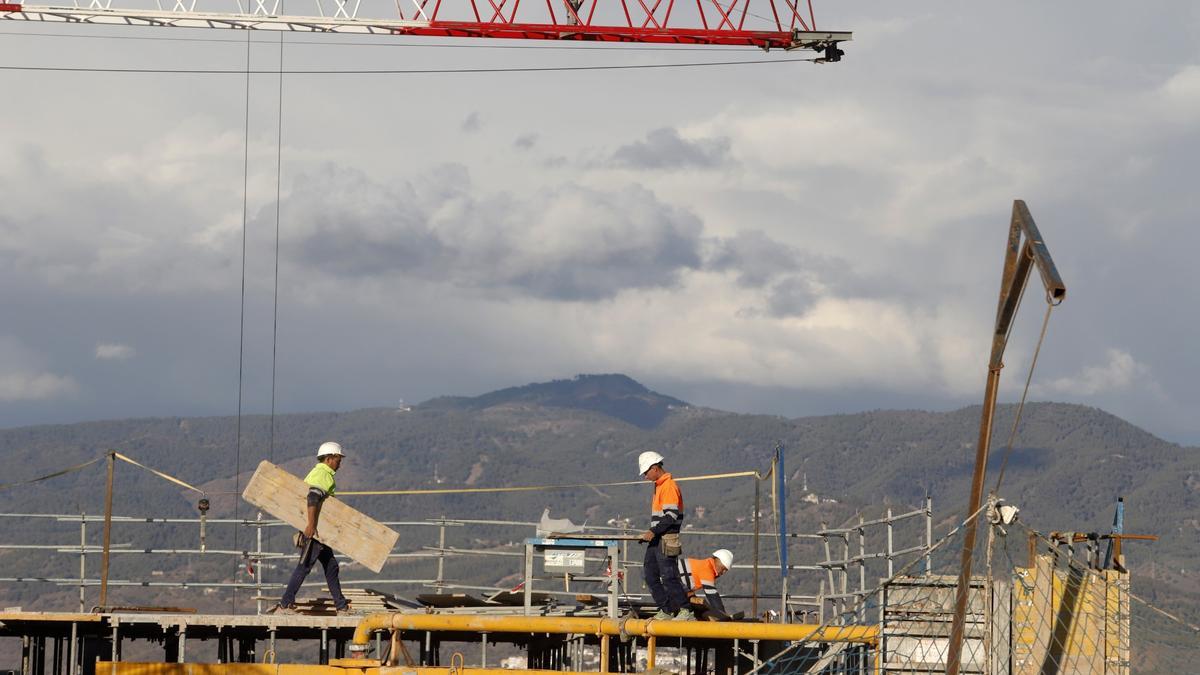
666 510
699 577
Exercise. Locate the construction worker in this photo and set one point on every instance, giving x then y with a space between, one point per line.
700 579
660 566
320 486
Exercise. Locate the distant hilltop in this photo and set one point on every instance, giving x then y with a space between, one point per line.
615 395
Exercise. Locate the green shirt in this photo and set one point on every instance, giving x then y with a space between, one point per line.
321 477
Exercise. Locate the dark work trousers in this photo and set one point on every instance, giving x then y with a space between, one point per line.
662 578
314 553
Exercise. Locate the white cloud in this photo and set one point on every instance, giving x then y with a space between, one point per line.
35 386
1119 371
1181 93
114 352
23 376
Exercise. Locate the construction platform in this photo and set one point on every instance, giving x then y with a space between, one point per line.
67 643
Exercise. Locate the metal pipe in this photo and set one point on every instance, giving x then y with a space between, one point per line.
607 626
82 562
258 568
890 549
754 584
928 535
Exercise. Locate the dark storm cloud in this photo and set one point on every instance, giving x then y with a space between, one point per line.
792 280
569 243
471 123
665 149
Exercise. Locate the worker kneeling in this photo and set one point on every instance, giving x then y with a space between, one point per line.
700 578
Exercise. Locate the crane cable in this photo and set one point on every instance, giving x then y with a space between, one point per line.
237 467
1012 434
275 293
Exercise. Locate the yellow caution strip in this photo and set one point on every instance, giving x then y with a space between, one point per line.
62 472
158 473
534 488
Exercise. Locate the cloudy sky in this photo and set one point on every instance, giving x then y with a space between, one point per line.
787 238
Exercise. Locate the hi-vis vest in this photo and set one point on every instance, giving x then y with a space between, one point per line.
666 510
699 577
320 482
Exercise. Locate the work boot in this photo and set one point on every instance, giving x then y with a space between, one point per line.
684 614
289 610
661 616
345 611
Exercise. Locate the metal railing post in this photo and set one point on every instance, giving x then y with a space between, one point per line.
82 561
928 535
890 548
441 565
258 565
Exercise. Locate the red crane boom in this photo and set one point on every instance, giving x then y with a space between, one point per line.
768 24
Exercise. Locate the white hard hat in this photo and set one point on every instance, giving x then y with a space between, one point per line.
330 448
724 556
648 459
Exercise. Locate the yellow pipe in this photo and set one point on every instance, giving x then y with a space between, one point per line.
601 626
737 630
336 667
651 651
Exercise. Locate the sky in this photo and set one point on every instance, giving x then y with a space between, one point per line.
784 238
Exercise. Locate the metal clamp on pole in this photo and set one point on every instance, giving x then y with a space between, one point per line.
203 506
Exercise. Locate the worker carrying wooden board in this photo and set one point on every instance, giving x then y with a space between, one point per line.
310 503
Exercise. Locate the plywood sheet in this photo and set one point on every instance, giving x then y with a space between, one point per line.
346 530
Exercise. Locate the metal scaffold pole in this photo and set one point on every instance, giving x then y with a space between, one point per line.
108 495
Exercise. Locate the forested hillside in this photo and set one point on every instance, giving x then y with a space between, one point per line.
1069 465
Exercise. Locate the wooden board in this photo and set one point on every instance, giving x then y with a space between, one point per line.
446 600
344 529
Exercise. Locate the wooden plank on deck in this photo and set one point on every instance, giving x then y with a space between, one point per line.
345 529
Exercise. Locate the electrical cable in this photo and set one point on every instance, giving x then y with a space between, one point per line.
420 71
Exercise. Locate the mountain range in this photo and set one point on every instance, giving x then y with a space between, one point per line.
1066 469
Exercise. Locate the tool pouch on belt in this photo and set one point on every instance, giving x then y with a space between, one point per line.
298 539
671 546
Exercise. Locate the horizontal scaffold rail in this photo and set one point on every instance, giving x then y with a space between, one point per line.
767 24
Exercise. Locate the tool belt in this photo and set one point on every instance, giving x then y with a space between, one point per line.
672 547
298 539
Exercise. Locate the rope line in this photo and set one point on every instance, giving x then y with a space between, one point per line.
156 472
535 488
1012 435
56 474
1164 612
